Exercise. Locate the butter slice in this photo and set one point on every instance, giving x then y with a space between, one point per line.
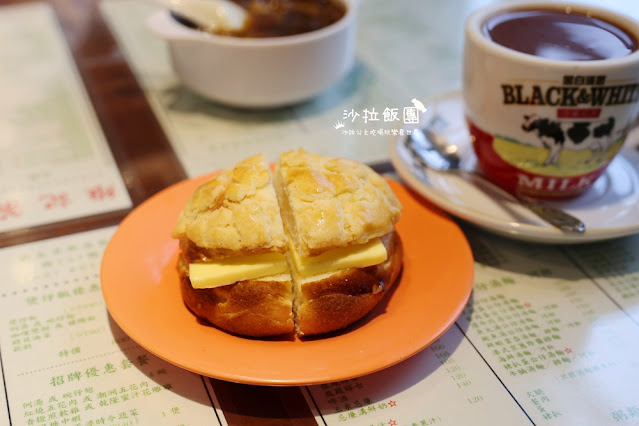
231 270
359 256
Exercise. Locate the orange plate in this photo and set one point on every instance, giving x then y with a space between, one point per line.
140 287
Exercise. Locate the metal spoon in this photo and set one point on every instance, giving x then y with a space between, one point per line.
208 15
430 150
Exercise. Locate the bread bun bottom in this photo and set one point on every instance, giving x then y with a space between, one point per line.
255 308
330 302
283 304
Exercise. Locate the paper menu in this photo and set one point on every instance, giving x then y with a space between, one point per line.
614 266
542 343
65 361
547 329
55 163
4 410
447 383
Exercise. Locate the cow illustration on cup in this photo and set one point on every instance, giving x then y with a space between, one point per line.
578 135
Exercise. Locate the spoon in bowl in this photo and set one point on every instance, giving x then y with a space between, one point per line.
431 151
208 15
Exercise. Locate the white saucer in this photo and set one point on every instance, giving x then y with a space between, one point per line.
609 209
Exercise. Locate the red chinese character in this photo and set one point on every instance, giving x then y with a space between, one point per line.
578 112
51 201
101 192
9 209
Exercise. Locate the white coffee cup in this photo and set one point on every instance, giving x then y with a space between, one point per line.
547 126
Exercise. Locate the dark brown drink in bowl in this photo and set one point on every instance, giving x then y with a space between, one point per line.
559 34
280 18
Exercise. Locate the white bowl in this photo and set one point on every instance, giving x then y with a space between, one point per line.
259 72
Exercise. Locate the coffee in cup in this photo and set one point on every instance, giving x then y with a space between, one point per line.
550 92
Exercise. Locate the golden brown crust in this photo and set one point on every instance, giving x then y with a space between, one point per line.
251 308
235 213
339 300
331 202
